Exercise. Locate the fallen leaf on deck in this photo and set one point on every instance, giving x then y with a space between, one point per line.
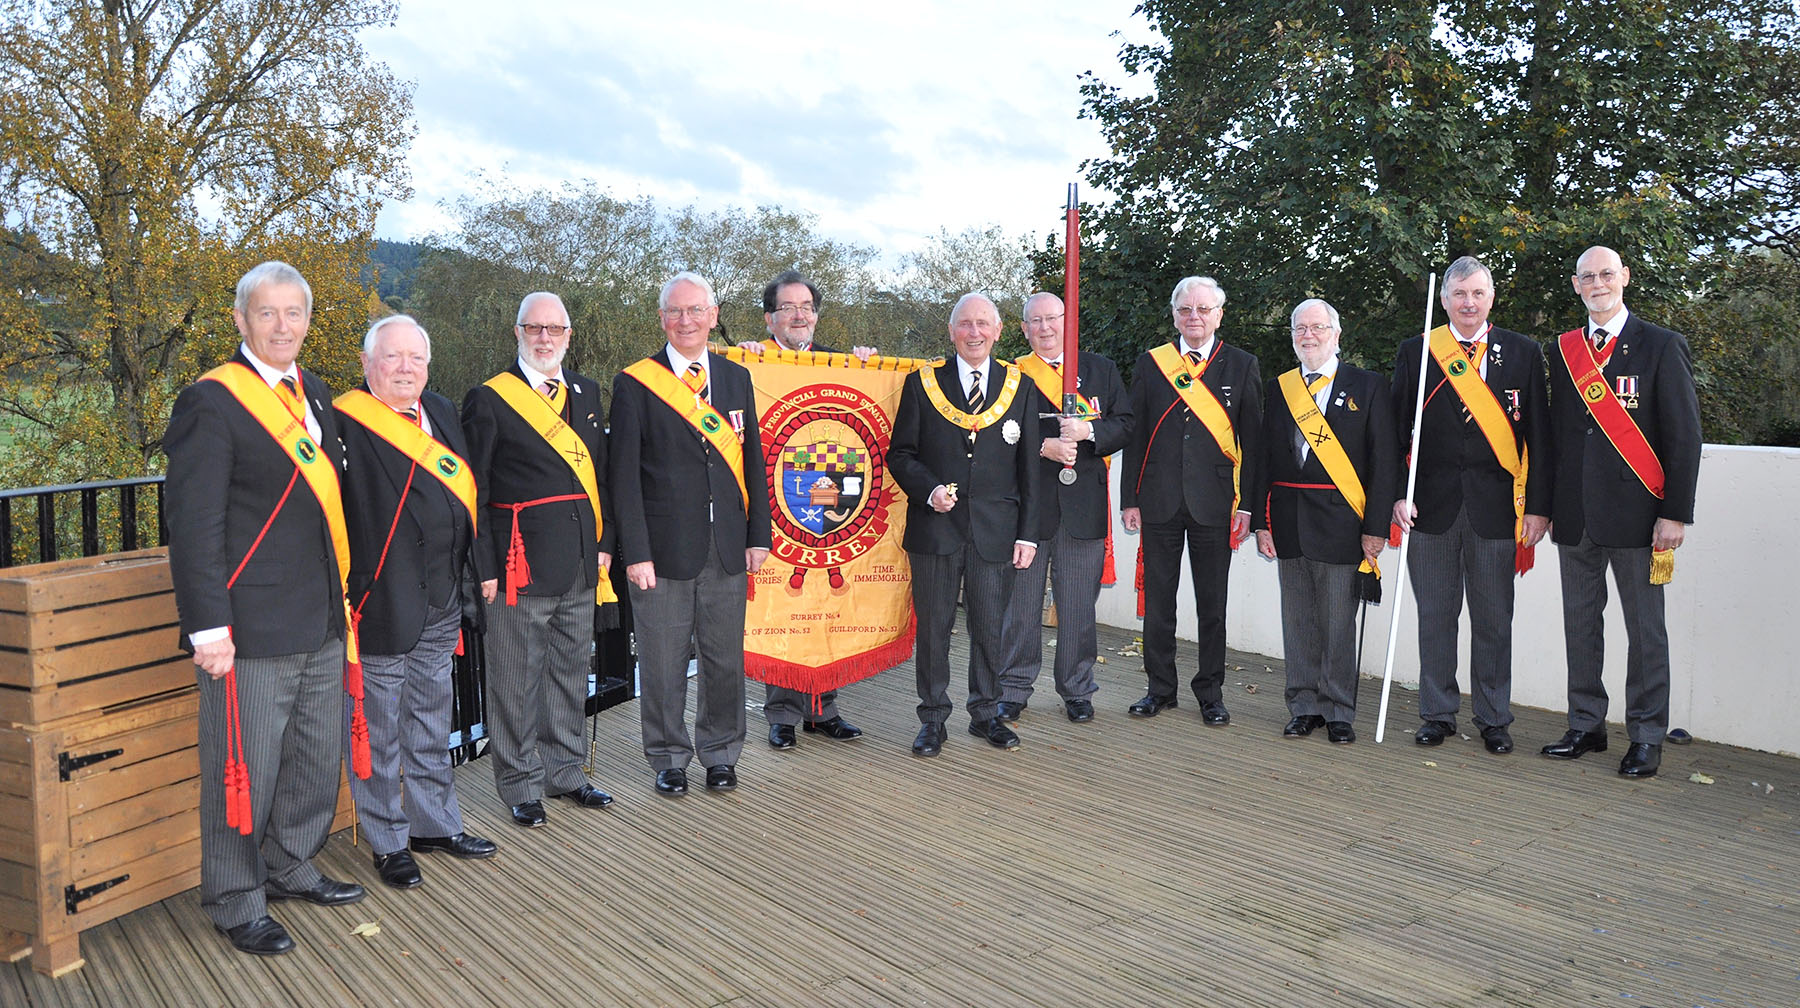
1430 763
367 929
1699 778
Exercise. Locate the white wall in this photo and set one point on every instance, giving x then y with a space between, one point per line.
1733 614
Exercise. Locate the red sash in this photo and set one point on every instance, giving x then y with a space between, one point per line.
1608 412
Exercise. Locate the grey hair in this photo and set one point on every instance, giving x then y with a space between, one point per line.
975 296
368 346
686 276
1330 313
1025 309
1466 267
533 298
272 272
1189 283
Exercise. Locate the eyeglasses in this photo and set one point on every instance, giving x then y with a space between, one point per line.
1190 311
696 313
1038 320
794 308
1317 329
1604 276
534 329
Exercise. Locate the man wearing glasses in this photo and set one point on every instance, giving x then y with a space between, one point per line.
693 509
791 312
1626 426
543 551
1196 407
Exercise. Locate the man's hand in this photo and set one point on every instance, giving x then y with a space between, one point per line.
642 575
1058 450
605 562
942 500
1668 534
1265 543
1240 528
490 589
1372 547
217 657
751 346
1023 554
1133 519
1076 429
863 353
1535 527
1405 512
754 558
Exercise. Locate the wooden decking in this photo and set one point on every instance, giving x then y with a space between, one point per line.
1122 862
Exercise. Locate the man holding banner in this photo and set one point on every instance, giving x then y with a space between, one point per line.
539 455
1331 459
1481 501
693 510
1196 406
960 452
1625 420
1074 518
410 499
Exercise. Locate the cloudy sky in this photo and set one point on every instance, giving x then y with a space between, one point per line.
886 121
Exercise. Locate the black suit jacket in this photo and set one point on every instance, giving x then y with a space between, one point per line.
1319 524
428 553
996 495
1081 507
226 475
675 497
1457 467
1595 490
1172 460
513 464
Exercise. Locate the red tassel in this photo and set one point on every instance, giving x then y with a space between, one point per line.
518 572
1140 580
1524 557
1108 575
1395 532
360 762
750 588
237 771
459 642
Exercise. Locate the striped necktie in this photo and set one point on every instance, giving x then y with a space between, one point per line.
695 378
976 399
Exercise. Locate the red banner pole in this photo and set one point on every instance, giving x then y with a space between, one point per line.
1071 299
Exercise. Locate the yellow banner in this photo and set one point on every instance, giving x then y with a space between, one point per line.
834 603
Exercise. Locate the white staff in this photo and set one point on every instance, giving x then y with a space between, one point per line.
1412 479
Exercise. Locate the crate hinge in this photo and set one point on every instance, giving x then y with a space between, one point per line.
73 897
67 765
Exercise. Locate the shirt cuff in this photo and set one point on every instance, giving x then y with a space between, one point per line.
199 637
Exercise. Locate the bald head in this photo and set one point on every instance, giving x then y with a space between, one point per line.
1600 280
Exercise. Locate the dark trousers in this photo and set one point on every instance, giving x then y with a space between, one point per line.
1443 568
783 706
291 709
406 699
539 657
706 612
1072 566
1209 561
1647 638
1318 637
985 588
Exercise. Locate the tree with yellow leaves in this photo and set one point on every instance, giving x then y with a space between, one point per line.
150 152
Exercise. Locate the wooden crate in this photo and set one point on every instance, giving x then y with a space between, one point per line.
82 635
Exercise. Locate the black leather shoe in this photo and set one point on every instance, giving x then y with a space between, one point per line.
398 869
1340 732
930 740
1213 712
262 936
587 796
1433 733
1302 725
1641 760
1079 710
1574 744
833 728
781 736
529 814
467 846
995 731
671 782
1152 705
1010 711
1497 739
325 892
721 778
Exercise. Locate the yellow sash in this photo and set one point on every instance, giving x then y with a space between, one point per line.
1050 383
961 418
725 439
1464 376
549 424
410 440
1324 443
1204 404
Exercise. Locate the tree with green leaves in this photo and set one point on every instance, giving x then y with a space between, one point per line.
150 152
1346 151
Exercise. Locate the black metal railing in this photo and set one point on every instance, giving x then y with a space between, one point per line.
49 523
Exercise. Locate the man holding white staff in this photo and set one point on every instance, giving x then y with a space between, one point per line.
1481 500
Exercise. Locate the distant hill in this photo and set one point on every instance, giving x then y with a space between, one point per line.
398 262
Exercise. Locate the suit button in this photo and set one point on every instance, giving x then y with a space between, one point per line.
421 541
